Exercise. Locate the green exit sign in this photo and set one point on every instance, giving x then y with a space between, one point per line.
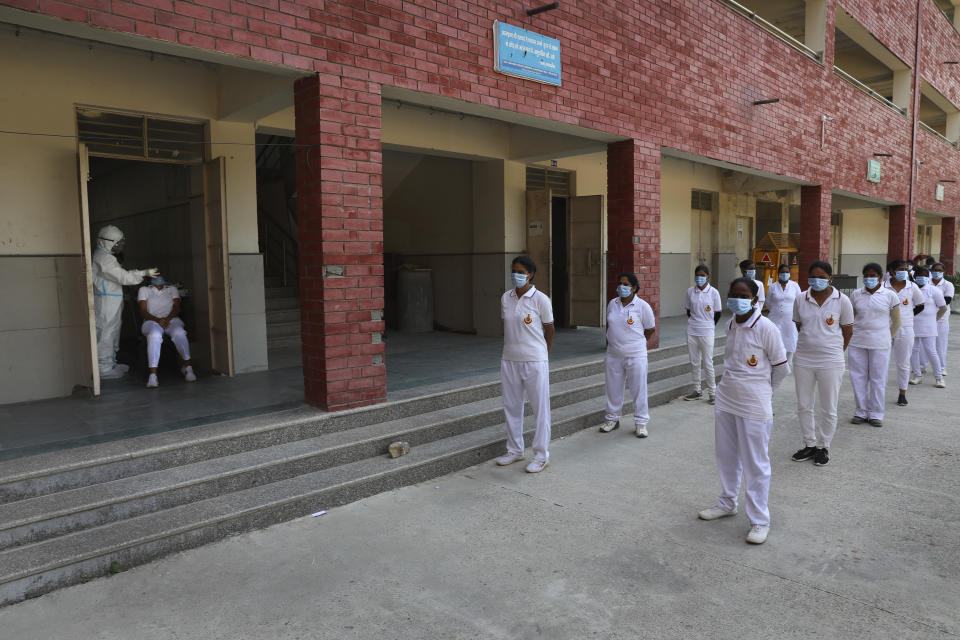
873 170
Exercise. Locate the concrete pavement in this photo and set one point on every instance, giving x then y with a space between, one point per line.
605 543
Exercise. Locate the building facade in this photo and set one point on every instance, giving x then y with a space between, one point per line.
680 132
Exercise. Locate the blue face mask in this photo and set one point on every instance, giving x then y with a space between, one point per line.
818 284
784 277
624 291
900 275
870 282
739 306
700 280
921 280
158 281
936 275
519 280
750 273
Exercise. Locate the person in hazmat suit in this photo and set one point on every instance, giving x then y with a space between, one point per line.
108 281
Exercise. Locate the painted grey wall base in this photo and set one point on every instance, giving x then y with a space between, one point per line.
852 263
248 312
675 278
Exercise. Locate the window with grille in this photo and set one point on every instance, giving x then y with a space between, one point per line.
129 135
542 179
701 200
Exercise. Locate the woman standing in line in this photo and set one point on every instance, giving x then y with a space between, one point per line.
525 369
703 313
754 365
630 323
943 325
780 297
925 327
911 303
876 319
824 318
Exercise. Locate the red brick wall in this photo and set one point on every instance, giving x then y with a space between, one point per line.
900 238
814 227
948 244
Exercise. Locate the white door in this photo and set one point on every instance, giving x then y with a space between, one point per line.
587 272
83 175
218 274
540 236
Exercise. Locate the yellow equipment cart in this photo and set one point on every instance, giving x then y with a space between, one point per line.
776 249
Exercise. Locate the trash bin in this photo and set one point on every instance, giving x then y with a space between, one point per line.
415 300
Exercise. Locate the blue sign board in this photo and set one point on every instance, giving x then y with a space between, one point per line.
525 54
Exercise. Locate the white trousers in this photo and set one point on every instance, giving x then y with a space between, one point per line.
902 351
868 375
154 333
943 335
631 372
822 384
742 447
928 345
109 318
701 352
530 380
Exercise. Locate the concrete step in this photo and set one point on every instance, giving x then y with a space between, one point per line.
276 316
283 330
276 304
37 568
280 292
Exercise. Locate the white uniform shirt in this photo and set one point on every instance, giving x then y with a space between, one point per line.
523 320
753 348
702 304
871 317
910 297
820 343
780 303
761 294
159 301
925 322
946 287
625 326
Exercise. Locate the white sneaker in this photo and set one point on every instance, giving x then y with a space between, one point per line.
189 375
510 458
152 382
715 512
609 426
758 533
940 384
641 431
111 374
916 379
536 466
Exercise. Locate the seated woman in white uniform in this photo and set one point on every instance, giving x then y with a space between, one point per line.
630 323
876 319
754 364
780 297
525 368
160 309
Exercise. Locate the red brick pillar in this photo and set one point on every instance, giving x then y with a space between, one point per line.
633 219
340 229
948 244
899 240
815 210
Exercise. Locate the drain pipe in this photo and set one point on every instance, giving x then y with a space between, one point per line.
915 118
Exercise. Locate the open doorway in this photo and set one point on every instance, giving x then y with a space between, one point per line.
560 275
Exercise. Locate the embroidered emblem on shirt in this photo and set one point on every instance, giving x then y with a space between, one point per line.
528 319
753 361
830 321
630 320
906 302
708 307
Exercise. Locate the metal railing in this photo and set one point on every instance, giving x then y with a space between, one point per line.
942 137
751 15
870 92
279 250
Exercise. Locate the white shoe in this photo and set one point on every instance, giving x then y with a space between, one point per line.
536 466
758 533
641 431
609 426
916 379
152 382
715 512
510 458
111 374
189 375
940 384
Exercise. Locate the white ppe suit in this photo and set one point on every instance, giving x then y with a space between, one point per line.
108 281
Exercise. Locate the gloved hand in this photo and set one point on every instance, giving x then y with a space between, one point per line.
152 272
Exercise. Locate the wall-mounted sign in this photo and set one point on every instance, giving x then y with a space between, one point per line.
535 229
873 170
940 192
525 54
